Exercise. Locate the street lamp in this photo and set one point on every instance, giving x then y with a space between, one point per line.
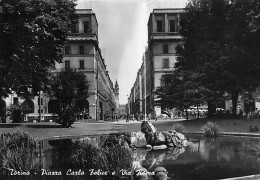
40 109
198 115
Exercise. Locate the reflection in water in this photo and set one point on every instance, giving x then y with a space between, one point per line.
204 158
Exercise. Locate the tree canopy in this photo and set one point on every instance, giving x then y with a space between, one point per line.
32 37
220 51
70 89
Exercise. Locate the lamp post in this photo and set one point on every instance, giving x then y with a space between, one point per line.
198 115
40 109
97 100
97 107
75 102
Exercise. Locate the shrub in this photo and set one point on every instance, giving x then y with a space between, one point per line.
210 129
119 157
113 158
19 151
178 127
256 150
114 140
87 156
16 113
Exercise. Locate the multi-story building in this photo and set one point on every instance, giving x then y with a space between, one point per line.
82 52
163 37
159 58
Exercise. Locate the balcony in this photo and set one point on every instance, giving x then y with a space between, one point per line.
82 36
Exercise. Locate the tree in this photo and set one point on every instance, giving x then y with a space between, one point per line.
17 112
220 46
32 37
182 91
241 64
71 90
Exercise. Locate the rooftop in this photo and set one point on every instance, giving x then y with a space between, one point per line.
169 10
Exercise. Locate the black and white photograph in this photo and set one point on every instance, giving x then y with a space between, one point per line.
130 89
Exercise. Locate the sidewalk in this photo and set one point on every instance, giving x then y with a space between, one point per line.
85 128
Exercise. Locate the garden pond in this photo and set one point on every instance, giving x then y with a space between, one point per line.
202 159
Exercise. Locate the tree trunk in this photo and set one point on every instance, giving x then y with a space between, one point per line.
234 102
187 115
198 115
211 109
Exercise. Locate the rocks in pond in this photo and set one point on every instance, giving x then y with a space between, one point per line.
173 138
148 147
155 138
173 153
148 129
139 155
170 145
85 140
150 159
136 164
138 139
160 147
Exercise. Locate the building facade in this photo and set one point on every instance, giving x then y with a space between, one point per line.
158 60
82 52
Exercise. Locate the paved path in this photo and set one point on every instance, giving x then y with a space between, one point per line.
81 128
84 128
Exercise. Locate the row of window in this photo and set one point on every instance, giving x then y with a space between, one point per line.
85 26
81 50
165 80
67 64
81 64
166 63
165 48
16 101
171 26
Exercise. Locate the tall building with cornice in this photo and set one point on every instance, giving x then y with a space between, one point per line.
159 59
82 52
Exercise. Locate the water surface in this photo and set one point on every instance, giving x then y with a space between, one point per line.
203 159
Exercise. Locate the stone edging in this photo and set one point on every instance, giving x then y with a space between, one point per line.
251 177
228 133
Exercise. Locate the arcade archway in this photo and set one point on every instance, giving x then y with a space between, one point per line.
2 111
53 106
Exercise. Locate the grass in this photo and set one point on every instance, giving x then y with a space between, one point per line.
178 127
19 151
110 159
210 129
87 156
119 157
256 150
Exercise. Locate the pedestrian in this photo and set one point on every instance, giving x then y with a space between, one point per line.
127 117
149 116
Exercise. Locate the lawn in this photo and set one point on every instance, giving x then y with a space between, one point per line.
226 125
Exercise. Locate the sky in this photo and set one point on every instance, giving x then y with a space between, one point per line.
122 35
